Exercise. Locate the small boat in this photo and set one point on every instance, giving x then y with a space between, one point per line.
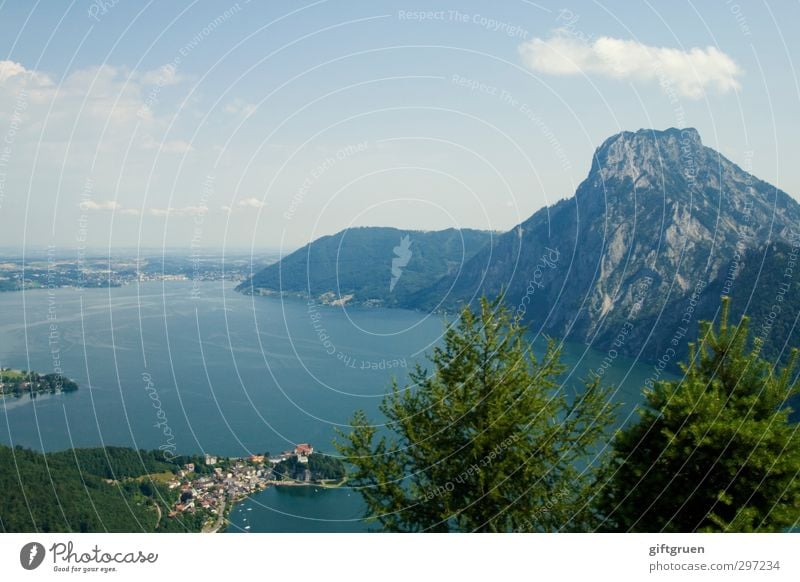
249 509
247 527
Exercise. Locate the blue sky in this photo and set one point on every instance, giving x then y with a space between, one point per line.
267 124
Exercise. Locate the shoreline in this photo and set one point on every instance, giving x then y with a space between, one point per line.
223 522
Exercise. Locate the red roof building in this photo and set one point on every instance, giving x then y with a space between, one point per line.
303 449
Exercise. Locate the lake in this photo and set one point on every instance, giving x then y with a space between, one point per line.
206 369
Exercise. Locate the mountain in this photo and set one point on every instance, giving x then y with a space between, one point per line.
373 265
661 227
661 223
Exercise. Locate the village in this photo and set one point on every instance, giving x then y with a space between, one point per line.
223 481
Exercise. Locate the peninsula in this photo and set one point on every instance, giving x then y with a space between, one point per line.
20 382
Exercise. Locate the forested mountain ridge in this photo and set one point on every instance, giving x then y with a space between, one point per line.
375 265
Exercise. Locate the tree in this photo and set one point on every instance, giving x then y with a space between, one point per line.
714 451
490 441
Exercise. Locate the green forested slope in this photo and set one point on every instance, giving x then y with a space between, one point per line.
84 490
360 261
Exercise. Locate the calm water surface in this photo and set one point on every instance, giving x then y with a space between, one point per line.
215 371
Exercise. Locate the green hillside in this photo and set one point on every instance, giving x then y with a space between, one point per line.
85 490
378 265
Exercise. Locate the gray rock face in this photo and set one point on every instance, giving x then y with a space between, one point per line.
659 216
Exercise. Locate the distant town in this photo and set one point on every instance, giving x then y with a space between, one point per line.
214 484
51 270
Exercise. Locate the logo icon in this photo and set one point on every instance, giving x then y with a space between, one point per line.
31 555
402 254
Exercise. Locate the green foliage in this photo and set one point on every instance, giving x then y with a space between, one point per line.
19 382
489 441
762 284
199 462
73 491
713 452
359 261
322 467
326 467
50 493
115 462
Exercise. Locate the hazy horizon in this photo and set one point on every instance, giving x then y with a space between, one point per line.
250 126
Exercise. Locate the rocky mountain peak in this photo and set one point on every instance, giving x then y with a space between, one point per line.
646 156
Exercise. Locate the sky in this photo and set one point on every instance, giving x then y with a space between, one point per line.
264 125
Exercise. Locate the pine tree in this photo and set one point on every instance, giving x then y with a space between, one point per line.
490 441
714 451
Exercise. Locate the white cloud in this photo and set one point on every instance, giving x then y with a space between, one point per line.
161 77
105 102
177 146
183 211
16 80
250 203
239 107
171 211
160 212
244 203
10 69
102 205
687 72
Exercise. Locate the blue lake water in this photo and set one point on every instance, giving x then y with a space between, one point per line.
215 371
